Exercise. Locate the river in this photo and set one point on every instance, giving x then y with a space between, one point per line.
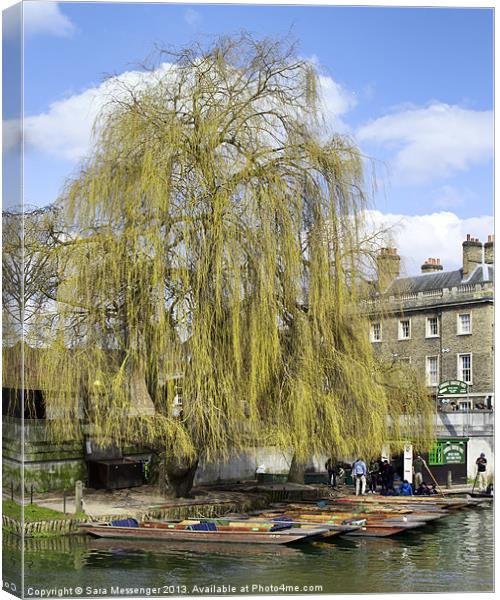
452 555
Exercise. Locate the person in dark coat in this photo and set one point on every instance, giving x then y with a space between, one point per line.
374 473
481 464
331 467
387 473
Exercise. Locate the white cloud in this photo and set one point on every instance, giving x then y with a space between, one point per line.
42 17
432 142
192 17
336 101
65 130
436 235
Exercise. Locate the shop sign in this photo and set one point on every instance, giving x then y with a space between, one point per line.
453 453
452 386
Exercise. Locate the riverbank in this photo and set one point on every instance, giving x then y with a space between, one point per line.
56 511
454 554
53 514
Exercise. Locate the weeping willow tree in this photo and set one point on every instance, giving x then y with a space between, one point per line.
216 248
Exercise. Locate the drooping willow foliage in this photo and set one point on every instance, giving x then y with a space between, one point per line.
215 249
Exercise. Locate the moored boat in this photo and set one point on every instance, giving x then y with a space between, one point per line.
410 513
203 532
416 501
371 525
332 529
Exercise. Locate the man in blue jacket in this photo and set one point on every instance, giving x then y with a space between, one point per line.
359 476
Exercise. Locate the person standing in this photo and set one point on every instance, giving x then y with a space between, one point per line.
481 463
418 467
331 467
374 475
359 476
387 478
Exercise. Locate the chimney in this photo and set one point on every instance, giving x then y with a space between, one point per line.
432 265
489 250
388 265
472 255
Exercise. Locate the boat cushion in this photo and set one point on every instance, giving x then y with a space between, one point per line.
279 526
202 527
125 523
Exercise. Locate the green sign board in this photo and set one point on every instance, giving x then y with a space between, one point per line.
452 386
453 453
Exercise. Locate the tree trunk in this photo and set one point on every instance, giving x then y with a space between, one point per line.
296 474
157 474
162 474
180 474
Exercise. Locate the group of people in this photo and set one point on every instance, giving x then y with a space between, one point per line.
377 475
382 475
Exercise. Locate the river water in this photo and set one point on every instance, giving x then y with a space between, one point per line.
451 555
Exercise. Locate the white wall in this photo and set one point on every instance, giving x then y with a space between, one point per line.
243 465
474 449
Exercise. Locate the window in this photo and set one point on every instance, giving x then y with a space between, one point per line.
376 332
404 329
432 370
464 324
465 368
436 454
432 329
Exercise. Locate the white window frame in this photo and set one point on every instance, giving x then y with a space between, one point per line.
372 337
428 333
400 329
459 367
428 372
459 323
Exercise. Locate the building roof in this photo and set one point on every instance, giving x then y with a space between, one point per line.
439 280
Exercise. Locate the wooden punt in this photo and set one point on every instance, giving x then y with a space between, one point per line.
448 503
222 534
410 517
333 529
343 514
384 530
111 545
371 525
304 504
417 513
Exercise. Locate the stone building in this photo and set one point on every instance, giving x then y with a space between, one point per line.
441 322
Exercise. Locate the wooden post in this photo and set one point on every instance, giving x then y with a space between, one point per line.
78 496
448 481
433 479
64 502
31 494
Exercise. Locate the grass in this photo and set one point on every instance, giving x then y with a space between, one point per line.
32 512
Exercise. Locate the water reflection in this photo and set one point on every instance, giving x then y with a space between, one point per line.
454 554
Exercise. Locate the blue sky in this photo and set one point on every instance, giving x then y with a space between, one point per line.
414 88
